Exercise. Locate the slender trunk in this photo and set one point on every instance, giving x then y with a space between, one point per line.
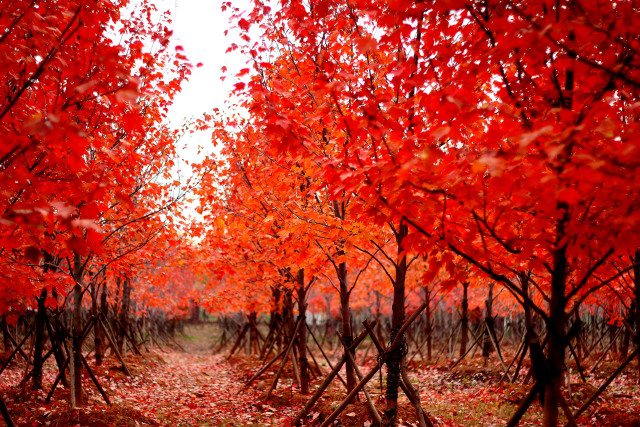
626 333
488 318
556 333
464 319
276 312
378 316
428 326
254 340
250 336
97 330
39 341
345 314
288 314
397 319
613 340
5 334
76 352
302 335
345 310
195 312
636 282
124 314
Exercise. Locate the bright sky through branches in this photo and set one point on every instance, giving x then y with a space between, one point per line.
199 26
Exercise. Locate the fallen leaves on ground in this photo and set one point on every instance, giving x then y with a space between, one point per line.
171 387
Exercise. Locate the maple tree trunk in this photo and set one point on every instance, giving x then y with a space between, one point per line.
556 335
253 332
428 326
636 283
56 337
347 333
277 313
464 319
288 316
275 325
302 335
5 334
76 324
97 331
345 310
488 318
117 299
104 304
76 351
397 319
626 333
195 312
124 314
39 341
613 340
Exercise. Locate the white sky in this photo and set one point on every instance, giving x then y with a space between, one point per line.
198 26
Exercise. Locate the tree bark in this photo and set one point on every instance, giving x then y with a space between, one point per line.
124 314
5 334
488 318
428 326
464 319
302 335
39 341
397 319
345 309
556 332
97 330
76 352
636 282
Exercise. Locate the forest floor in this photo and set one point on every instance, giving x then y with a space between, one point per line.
191 386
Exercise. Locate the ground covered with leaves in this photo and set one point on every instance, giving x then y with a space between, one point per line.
185 384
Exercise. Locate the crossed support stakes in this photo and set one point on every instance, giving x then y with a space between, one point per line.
571 417
57 333
384 354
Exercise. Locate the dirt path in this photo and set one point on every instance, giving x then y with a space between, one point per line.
169 387
195 388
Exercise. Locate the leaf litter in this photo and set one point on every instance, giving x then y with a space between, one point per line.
170 387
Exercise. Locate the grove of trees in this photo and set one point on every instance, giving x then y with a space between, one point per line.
384 161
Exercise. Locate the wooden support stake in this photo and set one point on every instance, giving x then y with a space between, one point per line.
13 341
575 357
129 338
57 380
606 383
495 345
372 406
95 381
405 385
57 347
18 349
515 357
262 370
114 347
326 358
316 395
381 360
274 384
522 409
466 352
236 345
5 413
414 397
266 350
